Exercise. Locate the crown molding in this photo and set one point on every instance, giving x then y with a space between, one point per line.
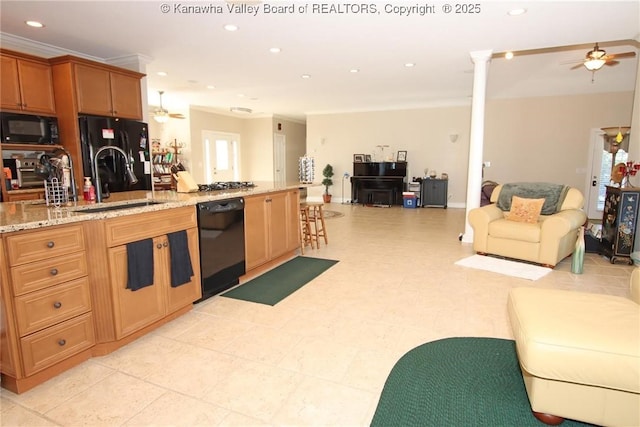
136 58
21 44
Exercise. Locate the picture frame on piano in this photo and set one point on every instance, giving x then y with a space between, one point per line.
358 158
367 158
402 156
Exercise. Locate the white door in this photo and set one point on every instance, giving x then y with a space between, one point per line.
601 164
279 158
220 156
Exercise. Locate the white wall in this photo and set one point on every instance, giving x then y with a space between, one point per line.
296 139
203 120
423 133
544 138
256 143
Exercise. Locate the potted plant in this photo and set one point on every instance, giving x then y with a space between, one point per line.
327 172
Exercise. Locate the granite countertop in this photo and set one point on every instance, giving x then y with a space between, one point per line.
15 216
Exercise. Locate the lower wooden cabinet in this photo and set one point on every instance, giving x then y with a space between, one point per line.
46 319
135 310
121 314
271 226
22 196
49 346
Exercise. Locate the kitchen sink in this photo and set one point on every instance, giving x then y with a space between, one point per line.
109 207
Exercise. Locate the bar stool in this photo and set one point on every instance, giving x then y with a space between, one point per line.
316 217
307 237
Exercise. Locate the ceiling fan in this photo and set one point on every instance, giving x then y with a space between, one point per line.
597 58
161 115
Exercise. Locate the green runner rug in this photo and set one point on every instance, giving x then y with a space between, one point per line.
277 284
457 382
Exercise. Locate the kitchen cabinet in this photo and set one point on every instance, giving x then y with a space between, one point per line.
104 92
47 320
434 192
87 87
619 223
25 195
27 84
137 309
271 226
122 314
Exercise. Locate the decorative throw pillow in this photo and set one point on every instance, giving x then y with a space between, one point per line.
525 210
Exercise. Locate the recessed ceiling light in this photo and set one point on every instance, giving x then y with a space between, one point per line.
34 24
306 76
274 50
241 95
516 12
409 64
162 73
508 55
243 110
354 70
231 27
211 87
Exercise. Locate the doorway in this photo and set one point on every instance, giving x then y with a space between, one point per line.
601 162
221 153
279 158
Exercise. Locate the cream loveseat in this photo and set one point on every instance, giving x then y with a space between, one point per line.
545 240
579 353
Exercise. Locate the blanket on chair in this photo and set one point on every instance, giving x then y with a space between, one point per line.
553 194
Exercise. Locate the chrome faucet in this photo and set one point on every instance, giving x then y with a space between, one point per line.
130 175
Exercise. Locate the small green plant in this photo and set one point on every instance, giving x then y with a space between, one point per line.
327 172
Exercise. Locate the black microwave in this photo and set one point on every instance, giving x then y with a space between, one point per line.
28 129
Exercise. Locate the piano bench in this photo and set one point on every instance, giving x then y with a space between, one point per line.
372 196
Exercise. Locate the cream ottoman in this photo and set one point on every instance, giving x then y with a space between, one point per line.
579 354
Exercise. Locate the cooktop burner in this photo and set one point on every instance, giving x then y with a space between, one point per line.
228 185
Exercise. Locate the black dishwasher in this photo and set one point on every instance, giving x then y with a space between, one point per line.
221 232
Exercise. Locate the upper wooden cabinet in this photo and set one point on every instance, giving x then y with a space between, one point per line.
27 84
107 93
98 89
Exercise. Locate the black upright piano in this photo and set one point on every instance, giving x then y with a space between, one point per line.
378 183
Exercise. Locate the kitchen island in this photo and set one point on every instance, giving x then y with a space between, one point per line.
65 293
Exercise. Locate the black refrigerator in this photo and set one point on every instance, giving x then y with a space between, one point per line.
129 135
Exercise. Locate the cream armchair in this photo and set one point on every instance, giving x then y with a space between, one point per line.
547 241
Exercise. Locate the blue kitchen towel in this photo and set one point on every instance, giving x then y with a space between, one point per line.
181 268
139 264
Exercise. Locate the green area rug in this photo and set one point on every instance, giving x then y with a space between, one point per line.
457 382
277 284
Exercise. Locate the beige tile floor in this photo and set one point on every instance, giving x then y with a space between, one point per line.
321 356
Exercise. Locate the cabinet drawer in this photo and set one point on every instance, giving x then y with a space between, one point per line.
47 307
54 344
38 245
131 228
42 274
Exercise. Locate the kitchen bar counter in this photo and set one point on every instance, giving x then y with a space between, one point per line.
15 216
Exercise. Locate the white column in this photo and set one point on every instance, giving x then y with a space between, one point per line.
474 178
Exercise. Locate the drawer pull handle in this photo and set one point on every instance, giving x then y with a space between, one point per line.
54 271
165 244
159 246
57 304
50 244
62 342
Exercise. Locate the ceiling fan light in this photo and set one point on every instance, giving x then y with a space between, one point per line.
161 116
594 64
